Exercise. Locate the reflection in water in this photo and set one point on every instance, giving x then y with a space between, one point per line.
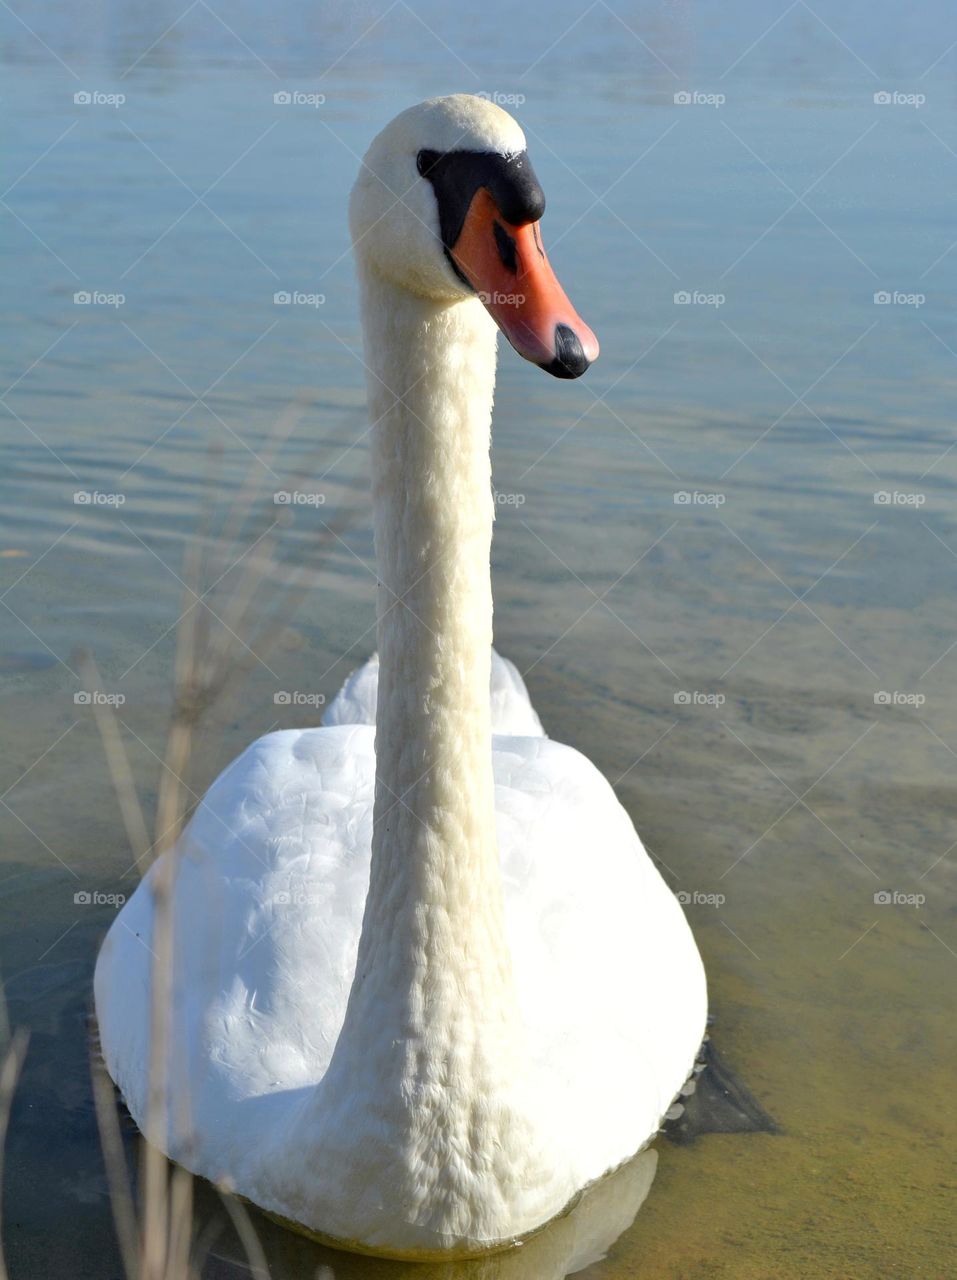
568 1245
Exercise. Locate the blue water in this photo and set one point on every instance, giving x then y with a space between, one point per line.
783 398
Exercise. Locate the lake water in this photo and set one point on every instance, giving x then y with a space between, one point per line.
726 560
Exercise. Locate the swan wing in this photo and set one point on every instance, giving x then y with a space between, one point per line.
270 886
512 710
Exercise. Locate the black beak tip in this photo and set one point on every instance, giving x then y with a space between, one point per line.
570 360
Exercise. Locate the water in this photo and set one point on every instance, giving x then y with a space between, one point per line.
784 588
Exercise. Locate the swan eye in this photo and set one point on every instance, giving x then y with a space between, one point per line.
425 161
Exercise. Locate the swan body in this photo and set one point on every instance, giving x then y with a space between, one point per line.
603 968
426 983
512 710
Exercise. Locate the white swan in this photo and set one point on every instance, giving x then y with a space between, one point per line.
427 983
511 707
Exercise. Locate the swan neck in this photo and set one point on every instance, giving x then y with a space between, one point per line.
433 930
429 1082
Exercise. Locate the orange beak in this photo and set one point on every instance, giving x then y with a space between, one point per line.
507 267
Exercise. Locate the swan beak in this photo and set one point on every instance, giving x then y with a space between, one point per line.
507 267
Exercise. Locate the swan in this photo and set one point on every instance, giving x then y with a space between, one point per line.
511 708
426 983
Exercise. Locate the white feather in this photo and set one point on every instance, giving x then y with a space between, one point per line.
512 710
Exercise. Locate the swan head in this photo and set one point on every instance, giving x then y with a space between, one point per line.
447 205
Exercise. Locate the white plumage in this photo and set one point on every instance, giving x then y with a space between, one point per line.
512 710
270 893
427 983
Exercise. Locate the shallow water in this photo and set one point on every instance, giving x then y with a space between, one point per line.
783 589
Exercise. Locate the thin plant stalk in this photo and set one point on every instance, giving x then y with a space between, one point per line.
207 658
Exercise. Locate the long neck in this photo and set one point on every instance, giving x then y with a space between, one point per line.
428 1083
433 933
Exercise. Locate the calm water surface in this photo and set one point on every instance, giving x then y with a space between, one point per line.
765 670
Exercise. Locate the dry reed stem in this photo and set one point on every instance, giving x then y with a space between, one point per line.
9 1075
118 763
206 661
117 1174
